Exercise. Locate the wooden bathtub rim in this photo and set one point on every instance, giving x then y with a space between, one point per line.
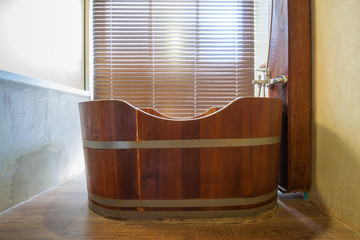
206 114
182 143
203 115
261 212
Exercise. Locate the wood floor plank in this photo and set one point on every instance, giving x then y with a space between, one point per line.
296 207
62 213
113 230
288 230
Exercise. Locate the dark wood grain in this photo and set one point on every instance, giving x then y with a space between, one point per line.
212 172
169 173
166 173
244 118
279 65
182 173
103 121
239 172
299 95
290 55
110 173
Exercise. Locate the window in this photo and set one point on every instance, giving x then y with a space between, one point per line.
180 57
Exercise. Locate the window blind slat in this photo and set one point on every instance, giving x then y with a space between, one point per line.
180 57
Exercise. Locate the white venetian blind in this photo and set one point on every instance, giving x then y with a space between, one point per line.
180 57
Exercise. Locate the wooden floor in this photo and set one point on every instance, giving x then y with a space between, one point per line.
62 213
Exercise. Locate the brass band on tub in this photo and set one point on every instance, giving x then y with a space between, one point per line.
110 207
182 143
253 213
226 202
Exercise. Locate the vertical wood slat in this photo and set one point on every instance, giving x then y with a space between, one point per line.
112 173
217 170
291 28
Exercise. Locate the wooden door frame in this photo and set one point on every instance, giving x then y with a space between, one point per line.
290 54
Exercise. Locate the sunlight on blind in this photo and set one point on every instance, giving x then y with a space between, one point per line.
180 57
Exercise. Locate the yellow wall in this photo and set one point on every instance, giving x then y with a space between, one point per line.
43 39
336 108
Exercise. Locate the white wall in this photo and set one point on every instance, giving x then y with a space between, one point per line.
335 181
43 39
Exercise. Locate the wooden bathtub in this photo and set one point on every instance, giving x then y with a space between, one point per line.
221 164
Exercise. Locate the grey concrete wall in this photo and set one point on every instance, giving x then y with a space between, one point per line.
40 138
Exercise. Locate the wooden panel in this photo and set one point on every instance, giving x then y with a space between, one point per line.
107 121
290 55
151 128
278 65
168 173
209 173
241 119
299 95
238 172
110 173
